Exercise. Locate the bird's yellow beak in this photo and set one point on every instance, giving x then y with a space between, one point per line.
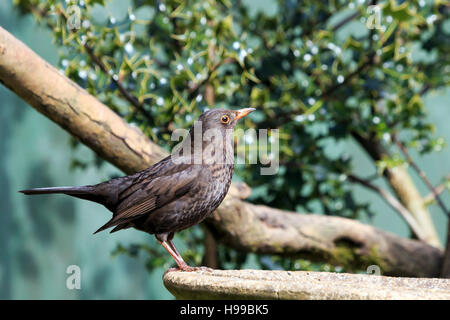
243 112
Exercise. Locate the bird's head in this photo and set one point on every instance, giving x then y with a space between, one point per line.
214 130
222 118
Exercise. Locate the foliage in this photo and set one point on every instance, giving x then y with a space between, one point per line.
313 69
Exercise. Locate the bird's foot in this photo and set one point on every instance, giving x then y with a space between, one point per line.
202 268
187 268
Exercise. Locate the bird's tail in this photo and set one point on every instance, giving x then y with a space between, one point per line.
103 193
93 193
73 191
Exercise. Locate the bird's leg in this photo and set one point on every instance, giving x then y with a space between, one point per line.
173 247
182 265
190 268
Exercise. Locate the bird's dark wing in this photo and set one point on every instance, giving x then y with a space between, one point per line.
113 192
153 193
165 167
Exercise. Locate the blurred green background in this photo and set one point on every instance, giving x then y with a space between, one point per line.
41 236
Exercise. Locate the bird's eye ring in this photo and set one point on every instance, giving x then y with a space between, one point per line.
225 119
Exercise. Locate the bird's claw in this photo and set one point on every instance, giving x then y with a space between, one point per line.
202 268
187 268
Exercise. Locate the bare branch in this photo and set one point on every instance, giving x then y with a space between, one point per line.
196 88
97 61
125 93
402 184
368 62
421 174
395 204
346 20
350 17
438 189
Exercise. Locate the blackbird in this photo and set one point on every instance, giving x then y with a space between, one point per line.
176 193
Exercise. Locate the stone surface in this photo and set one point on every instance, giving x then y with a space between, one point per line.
301 285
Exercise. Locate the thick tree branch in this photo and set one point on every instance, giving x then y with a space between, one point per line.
445 272
237 223
340 241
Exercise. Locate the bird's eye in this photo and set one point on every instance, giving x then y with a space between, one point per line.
225 119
